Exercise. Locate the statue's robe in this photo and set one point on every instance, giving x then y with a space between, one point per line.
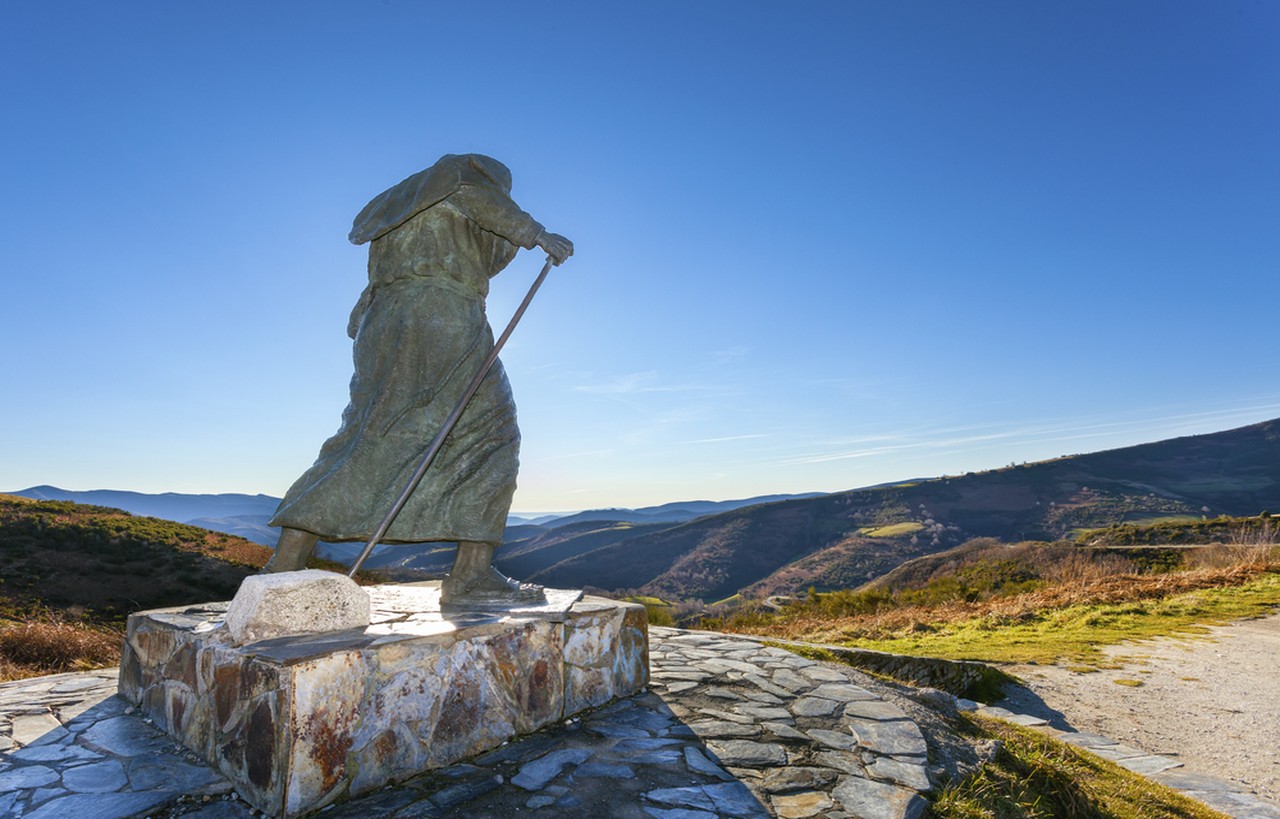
421 335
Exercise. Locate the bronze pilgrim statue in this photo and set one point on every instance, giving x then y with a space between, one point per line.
420 335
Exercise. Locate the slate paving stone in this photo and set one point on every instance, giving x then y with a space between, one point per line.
843 761
764 712
842 691
100 805
822 674
688 797
792 681
603 769
900 738
699 763
678 813
1118 751
37 728
763 697
27 776
734 799
1186 781
535 775
606 729
814 707
798 778
54 753
877 800
769 688
745 753
681 686
656 758
729 716
463 792
155 773
784 731
97 777
841 741
914 776
722 693
801 805
42 795
124 736
714 728
873 709
1152 764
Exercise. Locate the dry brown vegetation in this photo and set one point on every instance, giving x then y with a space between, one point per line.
37 641
1009 584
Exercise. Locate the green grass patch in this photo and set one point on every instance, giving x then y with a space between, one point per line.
647 601
1077 634
1037 777
728 601
658 610
1129 683
892 530
1153 520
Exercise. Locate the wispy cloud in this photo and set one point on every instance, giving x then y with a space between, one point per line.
725 438
636 383
1057 431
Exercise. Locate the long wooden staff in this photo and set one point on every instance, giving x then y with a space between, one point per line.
449 423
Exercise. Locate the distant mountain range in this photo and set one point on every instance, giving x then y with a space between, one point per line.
246 516
780 544
844 539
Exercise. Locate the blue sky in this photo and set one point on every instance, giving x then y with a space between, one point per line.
819 246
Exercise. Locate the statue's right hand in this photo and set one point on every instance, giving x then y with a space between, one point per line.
557 247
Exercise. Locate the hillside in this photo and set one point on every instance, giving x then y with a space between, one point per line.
105 562
848 538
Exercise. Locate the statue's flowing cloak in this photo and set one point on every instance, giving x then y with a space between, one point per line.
420 336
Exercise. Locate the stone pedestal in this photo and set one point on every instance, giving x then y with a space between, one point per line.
299 722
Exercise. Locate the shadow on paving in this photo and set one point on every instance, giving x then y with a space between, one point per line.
81 752
633 758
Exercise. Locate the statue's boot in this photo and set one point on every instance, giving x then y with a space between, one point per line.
474 580
292 551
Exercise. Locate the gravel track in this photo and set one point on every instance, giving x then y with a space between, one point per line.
1212 702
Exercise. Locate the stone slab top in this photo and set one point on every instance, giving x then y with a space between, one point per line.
398 611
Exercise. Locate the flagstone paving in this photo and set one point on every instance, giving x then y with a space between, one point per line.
729 728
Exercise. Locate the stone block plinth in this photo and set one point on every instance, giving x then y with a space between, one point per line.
298 722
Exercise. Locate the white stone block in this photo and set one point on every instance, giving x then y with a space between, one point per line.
304 602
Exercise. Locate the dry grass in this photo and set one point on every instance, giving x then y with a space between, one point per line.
1068 577
1087 587
50 644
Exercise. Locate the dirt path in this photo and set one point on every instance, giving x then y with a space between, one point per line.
1212 703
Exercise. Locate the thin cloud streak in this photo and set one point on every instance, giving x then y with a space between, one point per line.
1028 434
635 383
725 438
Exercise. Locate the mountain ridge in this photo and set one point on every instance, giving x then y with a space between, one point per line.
844 539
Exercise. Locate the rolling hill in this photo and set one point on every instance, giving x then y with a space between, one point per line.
708 551
848 538
105 562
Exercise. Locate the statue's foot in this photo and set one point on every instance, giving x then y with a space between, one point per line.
490 586
292 551
284 562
